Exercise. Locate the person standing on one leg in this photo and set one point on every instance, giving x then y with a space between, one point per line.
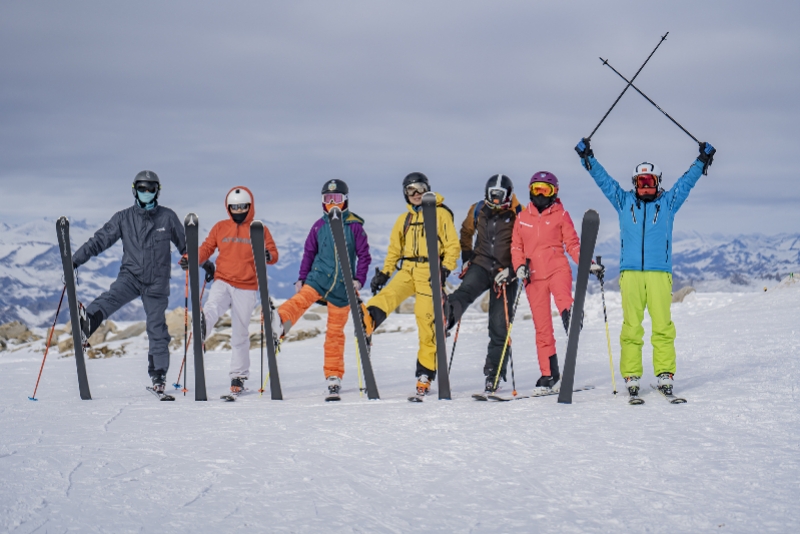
487 266
236 286
646 216
146 230
408 247
321 278
544 230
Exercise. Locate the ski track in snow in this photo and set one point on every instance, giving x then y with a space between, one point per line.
727 461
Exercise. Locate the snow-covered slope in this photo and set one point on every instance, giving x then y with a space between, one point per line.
727 461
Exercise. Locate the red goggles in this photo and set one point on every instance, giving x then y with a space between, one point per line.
333 198
647 180
543 188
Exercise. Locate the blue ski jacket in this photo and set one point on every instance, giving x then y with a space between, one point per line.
645 228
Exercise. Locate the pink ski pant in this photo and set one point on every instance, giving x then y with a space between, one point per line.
559 284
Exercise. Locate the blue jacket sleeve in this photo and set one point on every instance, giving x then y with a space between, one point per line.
178 234
680 191
608 185
102 240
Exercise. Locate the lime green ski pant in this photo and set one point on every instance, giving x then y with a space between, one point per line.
653 290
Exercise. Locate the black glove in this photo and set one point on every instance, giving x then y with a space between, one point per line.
706 155
268 255
210 269
378 281
184 263
445 273
467 256
584 150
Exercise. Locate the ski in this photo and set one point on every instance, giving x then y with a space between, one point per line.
191 226
481 396
161 396
589 229
536 395
416 398
670 397
333 397
78 340
432 242
260 258
635 400
340 243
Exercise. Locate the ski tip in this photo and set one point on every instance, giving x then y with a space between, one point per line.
33 398
190 219
256 223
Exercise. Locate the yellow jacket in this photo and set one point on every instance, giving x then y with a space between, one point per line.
407 239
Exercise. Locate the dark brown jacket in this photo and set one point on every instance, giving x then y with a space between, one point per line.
492 249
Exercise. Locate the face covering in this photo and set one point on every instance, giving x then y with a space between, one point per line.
146 199
239 218
647 198
542 202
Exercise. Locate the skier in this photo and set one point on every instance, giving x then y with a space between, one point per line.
320 278
487 266
408 248
543 231
646 216
146 230
236 286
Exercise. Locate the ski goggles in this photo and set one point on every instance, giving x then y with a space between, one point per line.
239 207
413 189
647 180
543 188
333 198
146 187
496 196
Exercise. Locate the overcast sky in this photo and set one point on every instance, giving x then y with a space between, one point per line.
282 96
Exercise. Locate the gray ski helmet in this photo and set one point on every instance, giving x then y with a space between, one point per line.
415 178
335 186
146 176
498 191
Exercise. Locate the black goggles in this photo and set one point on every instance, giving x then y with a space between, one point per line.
146 187
239 207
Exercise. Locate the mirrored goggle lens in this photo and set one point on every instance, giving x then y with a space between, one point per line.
543 188
646 180
412 189
497 196
146 187
239 207
333 198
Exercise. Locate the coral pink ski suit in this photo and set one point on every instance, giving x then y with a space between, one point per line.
539 239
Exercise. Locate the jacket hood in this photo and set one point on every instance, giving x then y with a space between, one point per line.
439 201
250 214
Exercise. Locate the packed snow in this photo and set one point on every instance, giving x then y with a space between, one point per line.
727 461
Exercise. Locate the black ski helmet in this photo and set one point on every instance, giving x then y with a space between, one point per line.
146 176
498 191
415 178
335 186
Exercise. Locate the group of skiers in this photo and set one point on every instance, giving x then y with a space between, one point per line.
502 245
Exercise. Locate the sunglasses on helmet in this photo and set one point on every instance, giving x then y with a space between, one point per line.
646 180
239 207
333 198
413 189
146 187
543 188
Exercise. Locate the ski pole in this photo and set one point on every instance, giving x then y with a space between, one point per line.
608 336
47 347
510 354
664 38
358 366
261 344
607 64
508 334
177 384
453 352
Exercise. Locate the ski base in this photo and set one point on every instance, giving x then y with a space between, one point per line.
500 398
161 396
635 400
333 398
671 398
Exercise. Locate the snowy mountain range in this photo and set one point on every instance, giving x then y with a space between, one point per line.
31 277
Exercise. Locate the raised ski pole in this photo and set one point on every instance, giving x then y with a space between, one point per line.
664 38
177 384
453 351
47 347
508 334
608 336
630 83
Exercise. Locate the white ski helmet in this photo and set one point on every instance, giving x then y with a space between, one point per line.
238 196
646 168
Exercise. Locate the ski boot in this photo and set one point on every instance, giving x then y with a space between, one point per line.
632 383
278 328
159 386
334 387
546 385
423 387
665 383
237 385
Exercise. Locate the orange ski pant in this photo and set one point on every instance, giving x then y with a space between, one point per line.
558 284
294 308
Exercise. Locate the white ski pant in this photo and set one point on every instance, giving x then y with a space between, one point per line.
241 302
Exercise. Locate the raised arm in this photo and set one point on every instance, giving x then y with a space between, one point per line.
102 240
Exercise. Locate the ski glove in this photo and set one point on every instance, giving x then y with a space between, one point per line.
467 256
502 276
184 263
523 273
378 281
706 155
598 270
210 269
357 285
445 272
584 151
298 285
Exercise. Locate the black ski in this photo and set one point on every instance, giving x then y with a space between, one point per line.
635 400
589 229
62 230
161 396
432 241
339 240
481 396
536 395
191 227
260 258
670 397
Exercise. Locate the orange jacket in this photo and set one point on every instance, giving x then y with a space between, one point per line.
542 238
235 264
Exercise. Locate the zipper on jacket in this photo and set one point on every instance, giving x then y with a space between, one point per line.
633 214
667 251
335 267
658 207
644 227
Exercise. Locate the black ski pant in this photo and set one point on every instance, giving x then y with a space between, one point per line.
125 289
475 282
